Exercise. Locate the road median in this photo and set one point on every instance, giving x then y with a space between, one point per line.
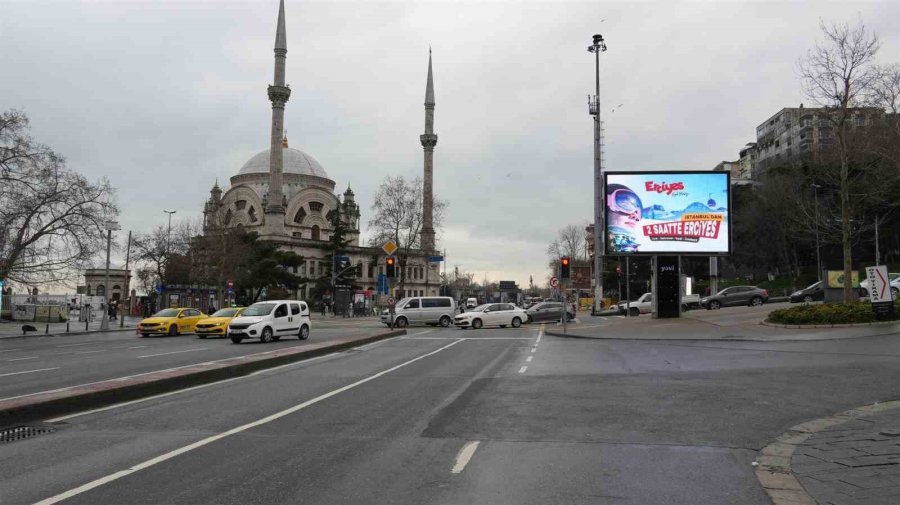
60 402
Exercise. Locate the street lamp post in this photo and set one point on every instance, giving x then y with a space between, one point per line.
104 321
818 253
598 46
168 235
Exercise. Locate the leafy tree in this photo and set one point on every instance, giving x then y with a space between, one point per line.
265 266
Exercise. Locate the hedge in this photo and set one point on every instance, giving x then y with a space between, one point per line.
827 313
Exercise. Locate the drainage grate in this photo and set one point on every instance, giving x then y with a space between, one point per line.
23 432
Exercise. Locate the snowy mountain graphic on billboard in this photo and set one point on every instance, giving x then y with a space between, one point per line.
660 212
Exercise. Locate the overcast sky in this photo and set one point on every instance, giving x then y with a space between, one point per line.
163 98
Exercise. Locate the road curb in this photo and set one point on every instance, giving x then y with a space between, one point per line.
813 326
692 339
101 394
773 465
69 334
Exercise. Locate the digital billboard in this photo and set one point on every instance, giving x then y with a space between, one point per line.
668 213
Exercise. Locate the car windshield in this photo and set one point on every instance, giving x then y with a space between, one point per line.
258 309
814 285
226 312
166 313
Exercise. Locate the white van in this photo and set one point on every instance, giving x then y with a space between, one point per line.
471 303
271 320
430 310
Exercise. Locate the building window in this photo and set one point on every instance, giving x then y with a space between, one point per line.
303 268
101 290
300 216
329 215
371 270
240 204
252 214
315 232
316 206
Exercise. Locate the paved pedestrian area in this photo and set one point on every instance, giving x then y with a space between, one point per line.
854 463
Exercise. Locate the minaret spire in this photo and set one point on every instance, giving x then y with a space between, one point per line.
429 140
279 94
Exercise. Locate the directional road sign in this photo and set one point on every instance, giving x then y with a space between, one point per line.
435 259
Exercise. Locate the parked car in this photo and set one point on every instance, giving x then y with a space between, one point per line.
216 325
271 320
547 311
430 310
811 293
643 305
736 295
471 303
491 314
689 302
171 321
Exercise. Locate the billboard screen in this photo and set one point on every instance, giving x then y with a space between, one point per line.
668 213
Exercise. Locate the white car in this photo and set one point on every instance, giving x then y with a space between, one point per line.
271 320
643 305
491 314
895 285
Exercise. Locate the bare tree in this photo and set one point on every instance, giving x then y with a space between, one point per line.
399 217
570 241
52 219
837 74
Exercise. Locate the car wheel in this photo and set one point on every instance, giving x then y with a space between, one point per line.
807 299
266 335
173 330
516 322
756 301
304 332
145 334
445 321
863 292
276 338
236 340
401 322
896 292
634 312
477 324
714 305
503 326
201 336
684 307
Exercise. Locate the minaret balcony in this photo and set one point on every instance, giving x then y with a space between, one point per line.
428 139
279 94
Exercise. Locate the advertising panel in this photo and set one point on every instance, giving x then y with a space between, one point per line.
668 213
835 278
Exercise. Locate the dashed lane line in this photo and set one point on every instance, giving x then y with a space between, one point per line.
464 456
206 441
523 369
529 358
22 359
28 371
173 352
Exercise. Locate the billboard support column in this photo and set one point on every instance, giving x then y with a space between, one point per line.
627 285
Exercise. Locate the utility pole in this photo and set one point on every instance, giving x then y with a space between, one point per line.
104 321
598 46
818 252
127 281
168 236
877 251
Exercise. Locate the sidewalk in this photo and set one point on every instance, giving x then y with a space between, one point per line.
854 463
11 329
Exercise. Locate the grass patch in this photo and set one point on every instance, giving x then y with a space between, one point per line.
827 313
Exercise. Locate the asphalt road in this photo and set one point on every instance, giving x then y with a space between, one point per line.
446 416
36 364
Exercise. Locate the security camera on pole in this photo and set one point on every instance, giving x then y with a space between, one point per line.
598 46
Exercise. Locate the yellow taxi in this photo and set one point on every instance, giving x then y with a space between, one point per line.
216 325
171 321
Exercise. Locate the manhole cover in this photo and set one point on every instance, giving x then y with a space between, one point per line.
23 432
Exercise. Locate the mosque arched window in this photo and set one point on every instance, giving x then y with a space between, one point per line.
252 214
315 232
300 216
240 204
316 206
329 215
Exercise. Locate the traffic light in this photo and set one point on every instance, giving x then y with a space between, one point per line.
391 264
564 270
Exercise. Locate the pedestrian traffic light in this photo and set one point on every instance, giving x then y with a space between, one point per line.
564 270
390 270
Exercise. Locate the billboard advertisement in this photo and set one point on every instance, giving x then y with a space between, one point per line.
668 213
835 278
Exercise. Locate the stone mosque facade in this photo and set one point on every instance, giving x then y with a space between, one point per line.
286 196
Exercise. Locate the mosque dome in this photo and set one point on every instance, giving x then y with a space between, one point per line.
295 162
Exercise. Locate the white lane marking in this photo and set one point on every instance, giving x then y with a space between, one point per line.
529 358
89 352
373 344
83 343
20 359
206 441
466 338
522 370
173 352
11 350
137 346
465 454
534 349
28 371
540 334
170 393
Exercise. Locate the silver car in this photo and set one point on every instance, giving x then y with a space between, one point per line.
430 310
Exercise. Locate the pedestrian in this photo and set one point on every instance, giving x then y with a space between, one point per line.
324 307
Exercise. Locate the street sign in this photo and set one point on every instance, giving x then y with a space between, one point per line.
554 282
880 292
435 259
342 258
507 285
391 301
390 247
